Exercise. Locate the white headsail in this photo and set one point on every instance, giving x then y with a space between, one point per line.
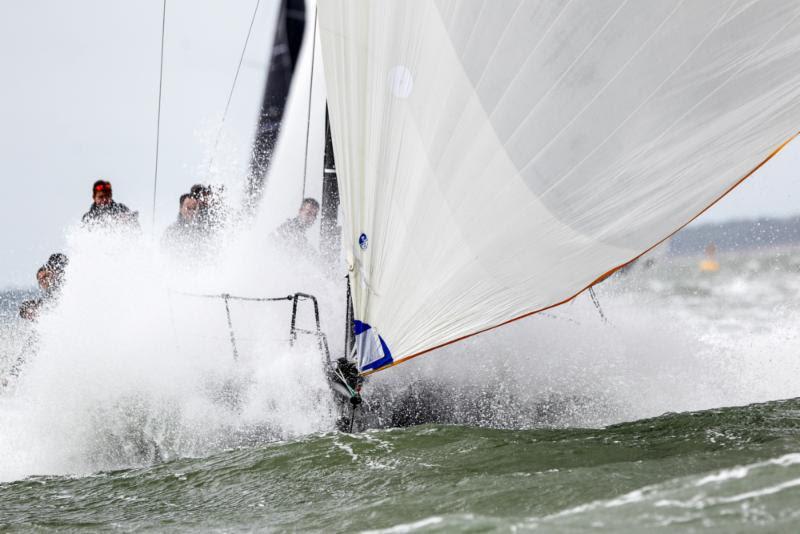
497 158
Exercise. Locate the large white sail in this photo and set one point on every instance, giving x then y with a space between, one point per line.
497 158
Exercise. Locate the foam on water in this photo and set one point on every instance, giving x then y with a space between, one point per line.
744 495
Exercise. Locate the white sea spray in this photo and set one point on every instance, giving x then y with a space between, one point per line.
131 368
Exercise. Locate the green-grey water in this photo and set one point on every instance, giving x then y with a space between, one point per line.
732 469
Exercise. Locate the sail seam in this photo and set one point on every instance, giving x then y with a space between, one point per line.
567 71
527 59
602 90
678 120
497 46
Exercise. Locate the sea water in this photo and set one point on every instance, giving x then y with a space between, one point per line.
672 413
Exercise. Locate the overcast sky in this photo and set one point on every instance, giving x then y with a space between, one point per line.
78 102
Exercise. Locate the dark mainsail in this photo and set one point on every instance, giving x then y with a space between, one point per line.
289 30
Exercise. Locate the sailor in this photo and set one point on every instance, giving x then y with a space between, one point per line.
57 267
211 208
202 194
46 280
50 278
186 230
105 211
30 309
293 231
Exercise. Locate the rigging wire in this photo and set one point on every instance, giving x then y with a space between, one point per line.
233 297
233 85
230 328
160 94
348 320
596 302
158 115
310 94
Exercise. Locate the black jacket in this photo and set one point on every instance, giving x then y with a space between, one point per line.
183 233
113 213
292 234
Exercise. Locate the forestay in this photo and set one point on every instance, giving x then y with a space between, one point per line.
497 158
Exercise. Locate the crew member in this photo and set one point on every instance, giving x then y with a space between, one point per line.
105 211
57 266
211 209
50 278
186 230
293 231
30 309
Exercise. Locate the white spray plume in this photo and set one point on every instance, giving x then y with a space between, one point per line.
130 369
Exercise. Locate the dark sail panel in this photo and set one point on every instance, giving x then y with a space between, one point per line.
289 30
330 231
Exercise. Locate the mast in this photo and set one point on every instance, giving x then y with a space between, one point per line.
329 228
289 31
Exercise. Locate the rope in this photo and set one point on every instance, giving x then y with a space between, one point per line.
353 394
230 329
350 390
558 317
310 94
597 304
158 116
233 85
226 296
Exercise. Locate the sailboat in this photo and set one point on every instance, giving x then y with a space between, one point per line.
497 159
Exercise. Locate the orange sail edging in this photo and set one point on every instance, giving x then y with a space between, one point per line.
599 278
